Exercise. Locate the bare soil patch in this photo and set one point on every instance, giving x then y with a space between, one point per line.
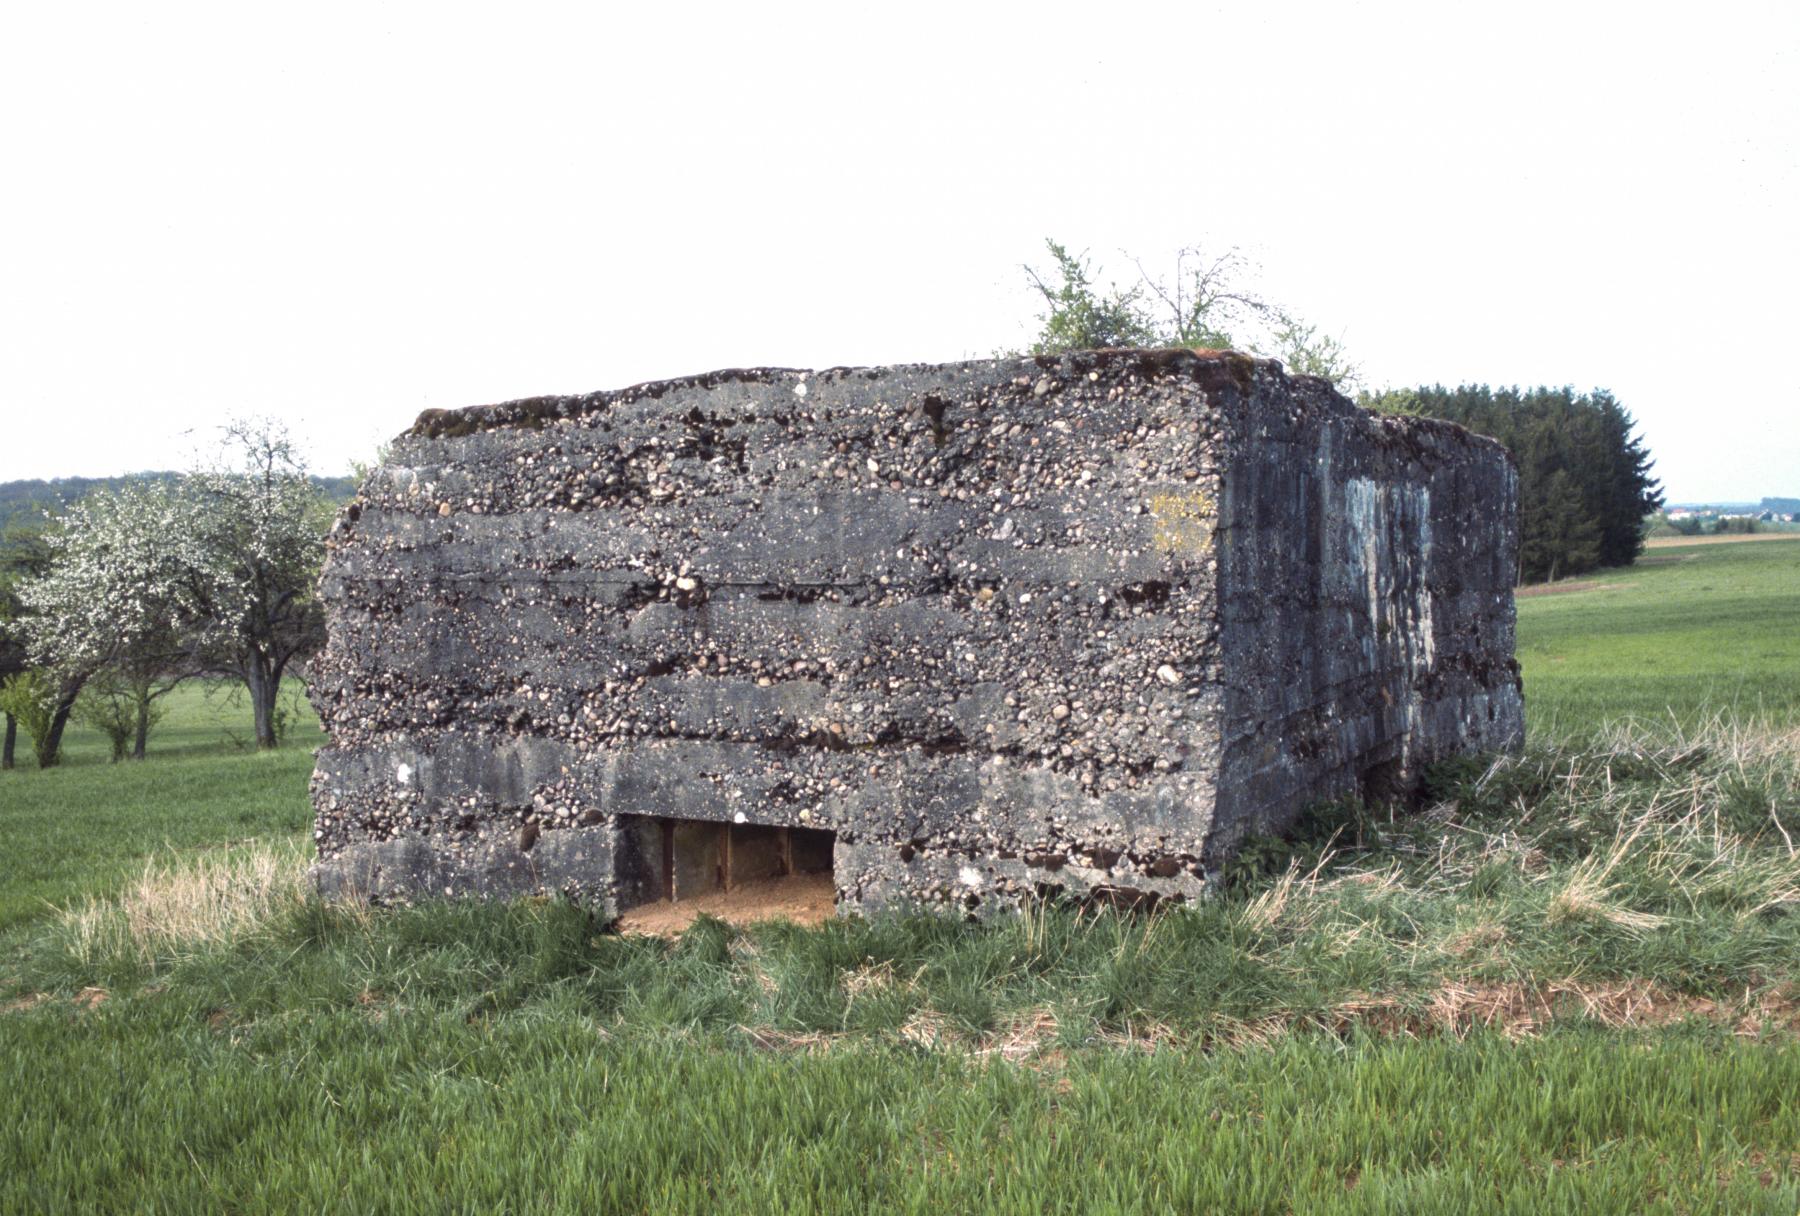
805 899
87 1000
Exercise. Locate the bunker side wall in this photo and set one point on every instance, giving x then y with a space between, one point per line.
1367 606
962 616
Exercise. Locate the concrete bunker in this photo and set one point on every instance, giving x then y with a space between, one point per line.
1075 623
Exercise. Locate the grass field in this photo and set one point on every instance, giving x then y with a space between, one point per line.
87 825
1569 985
1692 630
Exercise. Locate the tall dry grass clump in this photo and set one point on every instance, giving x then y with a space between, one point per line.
181 905
1641 830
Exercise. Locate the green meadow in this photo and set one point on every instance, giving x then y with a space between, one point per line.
86 826
1690 632
1566 984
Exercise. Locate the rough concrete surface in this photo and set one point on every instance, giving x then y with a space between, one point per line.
965 633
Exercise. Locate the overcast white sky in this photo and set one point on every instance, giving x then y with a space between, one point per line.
342 215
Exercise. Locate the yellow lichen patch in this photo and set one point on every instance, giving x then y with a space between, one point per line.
1184 521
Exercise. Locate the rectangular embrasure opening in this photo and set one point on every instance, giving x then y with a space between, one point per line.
732 870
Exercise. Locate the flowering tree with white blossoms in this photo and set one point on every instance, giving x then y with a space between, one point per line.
214 573
253 529
106 599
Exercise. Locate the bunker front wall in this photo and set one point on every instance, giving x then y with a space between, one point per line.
963 617
1003 627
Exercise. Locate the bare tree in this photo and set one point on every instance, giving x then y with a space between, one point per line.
1208 299
1206 303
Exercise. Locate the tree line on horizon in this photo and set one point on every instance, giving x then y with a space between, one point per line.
1585 486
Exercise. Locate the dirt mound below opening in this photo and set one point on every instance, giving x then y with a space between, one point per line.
806 899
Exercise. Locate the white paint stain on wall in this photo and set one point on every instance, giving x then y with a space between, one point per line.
1387 550
1376 516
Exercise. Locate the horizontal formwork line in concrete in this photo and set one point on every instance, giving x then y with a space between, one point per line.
602 687
667 626
542 759
518 588
623 580
809 731
852 521
1048 566
440 671
940 508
